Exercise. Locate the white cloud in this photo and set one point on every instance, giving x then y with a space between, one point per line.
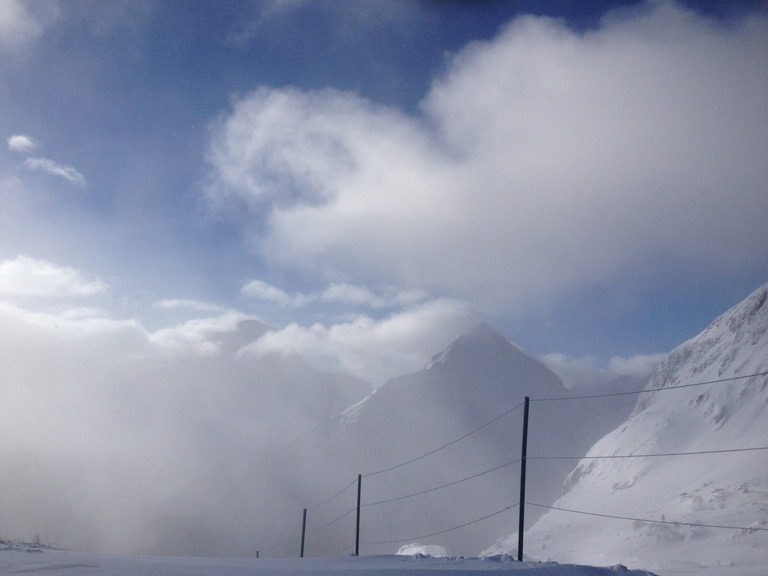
373 349
637 365
265 291
352 294
24 144
22 23
21 143
25 276
585 372
187 304
199 335
56 169
79 324
334 293
545 162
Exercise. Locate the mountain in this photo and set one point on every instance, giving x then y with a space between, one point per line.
435 428
707 403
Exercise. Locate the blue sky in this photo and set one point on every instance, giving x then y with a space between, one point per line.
372 177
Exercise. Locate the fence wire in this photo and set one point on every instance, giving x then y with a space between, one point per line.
412 538
472 477
444 446
648 390
649 520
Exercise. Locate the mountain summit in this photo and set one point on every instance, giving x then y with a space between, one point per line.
706 498
458 418
486 354
484 344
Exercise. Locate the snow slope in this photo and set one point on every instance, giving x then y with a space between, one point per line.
33 560
719 489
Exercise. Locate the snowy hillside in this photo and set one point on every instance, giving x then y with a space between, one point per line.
480 377
710 476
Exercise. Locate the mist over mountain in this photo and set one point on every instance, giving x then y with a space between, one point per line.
697 488
215 450
159 453
245 387
471 388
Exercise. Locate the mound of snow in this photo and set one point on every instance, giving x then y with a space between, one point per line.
415 549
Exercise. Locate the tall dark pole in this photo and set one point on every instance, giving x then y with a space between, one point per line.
357 529
524 454
303 532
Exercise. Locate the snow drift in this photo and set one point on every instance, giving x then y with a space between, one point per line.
18 559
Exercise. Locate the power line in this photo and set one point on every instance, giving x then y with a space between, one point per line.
412 460
339 493
347 513
443 485
444 531
342 490
694 524
648 455
648 390
506 413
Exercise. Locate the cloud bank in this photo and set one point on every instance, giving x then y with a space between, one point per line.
585 372
32 277
376 349
545 162
338 293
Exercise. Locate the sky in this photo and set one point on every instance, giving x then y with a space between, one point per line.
371 178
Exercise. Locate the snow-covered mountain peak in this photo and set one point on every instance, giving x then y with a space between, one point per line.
476 384
486 354
733 345
483 341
